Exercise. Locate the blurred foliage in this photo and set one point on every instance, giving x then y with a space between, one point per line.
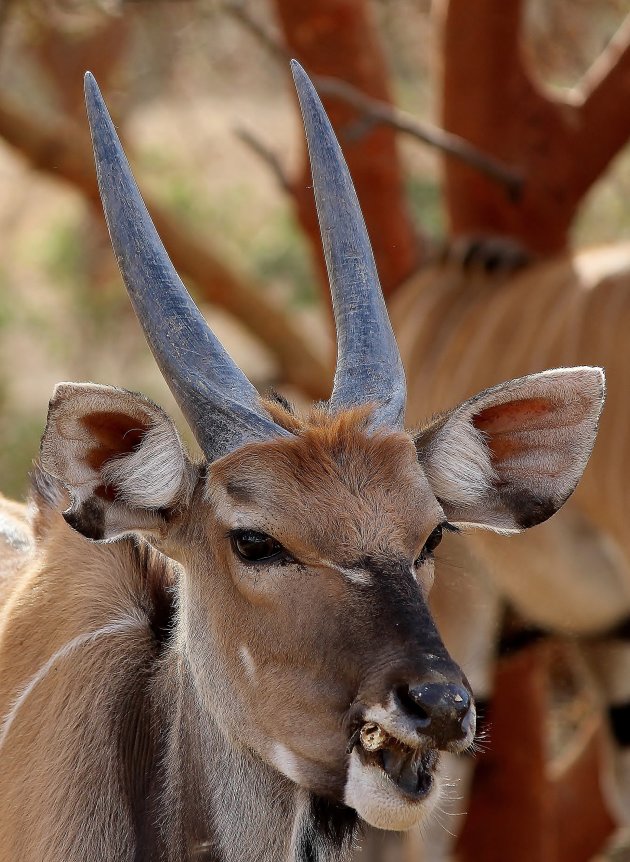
279 252
427 207
605 214
20 445
271 250
179 77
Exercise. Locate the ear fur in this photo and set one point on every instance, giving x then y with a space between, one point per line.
120 457
508 458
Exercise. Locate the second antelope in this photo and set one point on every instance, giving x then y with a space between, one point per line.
571 576
234 659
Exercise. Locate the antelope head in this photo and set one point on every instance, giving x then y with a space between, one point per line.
306 543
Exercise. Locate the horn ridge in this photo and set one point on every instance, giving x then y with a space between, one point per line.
369 367
219 403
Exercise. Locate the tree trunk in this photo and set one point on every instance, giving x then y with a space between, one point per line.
561 146
519 812
510 812
338 38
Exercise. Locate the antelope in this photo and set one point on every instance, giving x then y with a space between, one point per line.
233 658
459 331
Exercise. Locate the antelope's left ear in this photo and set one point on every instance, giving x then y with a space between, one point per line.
508 458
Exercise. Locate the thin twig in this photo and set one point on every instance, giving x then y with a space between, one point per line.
453 145
268 157
374 112
61 150
239 11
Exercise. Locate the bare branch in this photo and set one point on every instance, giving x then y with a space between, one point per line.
491 97
239 11
453 145
375 112
63 151
267 156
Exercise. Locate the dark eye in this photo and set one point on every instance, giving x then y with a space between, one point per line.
255 547
430 545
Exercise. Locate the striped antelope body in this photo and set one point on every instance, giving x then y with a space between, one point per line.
459 331
234 659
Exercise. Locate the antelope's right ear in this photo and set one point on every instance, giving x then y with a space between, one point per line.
120 457
508 458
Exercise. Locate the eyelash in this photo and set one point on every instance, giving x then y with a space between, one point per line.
430 545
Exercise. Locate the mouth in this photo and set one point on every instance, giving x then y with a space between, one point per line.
410 769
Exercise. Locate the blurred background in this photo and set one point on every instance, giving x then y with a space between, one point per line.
486 140
201 93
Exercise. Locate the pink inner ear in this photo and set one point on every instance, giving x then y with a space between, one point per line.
522 415
503 420
114 434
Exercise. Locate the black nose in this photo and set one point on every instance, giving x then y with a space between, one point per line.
442 711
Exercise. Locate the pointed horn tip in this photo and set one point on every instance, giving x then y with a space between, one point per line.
89 84
303 83
94 102
296 68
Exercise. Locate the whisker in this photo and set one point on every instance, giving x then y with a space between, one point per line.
440 824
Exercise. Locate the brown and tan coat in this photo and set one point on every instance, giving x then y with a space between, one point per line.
460 330
234 659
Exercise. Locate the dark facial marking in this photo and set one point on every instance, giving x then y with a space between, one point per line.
527 508
327 831
398 594
239 493
395 611
619 718
88 519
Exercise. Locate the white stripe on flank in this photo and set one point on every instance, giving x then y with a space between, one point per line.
62 653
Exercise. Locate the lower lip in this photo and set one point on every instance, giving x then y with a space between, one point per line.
424 780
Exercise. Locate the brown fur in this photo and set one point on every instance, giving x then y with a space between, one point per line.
44 610
177 699
347 480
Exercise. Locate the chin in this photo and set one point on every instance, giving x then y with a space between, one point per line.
396 803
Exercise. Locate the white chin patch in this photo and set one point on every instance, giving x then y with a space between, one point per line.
378 801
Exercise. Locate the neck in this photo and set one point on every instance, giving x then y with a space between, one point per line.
220 802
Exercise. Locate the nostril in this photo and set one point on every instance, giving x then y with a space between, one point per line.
442 711
412 705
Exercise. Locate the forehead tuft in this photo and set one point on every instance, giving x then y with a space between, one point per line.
331 477
323 450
